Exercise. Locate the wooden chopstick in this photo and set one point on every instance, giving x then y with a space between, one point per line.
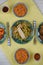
8 34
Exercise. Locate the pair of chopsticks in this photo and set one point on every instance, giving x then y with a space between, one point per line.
34 25
8 33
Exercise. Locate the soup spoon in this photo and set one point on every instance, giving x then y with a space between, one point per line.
34 24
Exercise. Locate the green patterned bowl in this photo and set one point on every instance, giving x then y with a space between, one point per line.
38 34
4 37
29 38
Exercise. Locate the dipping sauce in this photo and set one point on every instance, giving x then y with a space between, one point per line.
37 56
5 9
20 10
21 56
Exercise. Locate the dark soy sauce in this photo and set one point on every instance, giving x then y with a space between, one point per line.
5 9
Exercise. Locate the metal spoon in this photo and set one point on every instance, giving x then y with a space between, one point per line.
34 24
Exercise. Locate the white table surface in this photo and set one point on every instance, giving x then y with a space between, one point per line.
39 4
3 58
2 1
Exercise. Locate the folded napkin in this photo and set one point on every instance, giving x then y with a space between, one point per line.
3 58
2 1
39 3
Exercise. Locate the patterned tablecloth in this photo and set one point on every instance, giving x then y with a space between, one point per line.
32 14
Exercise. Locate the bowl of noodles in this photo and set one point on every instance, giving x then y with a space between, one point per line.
22 31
